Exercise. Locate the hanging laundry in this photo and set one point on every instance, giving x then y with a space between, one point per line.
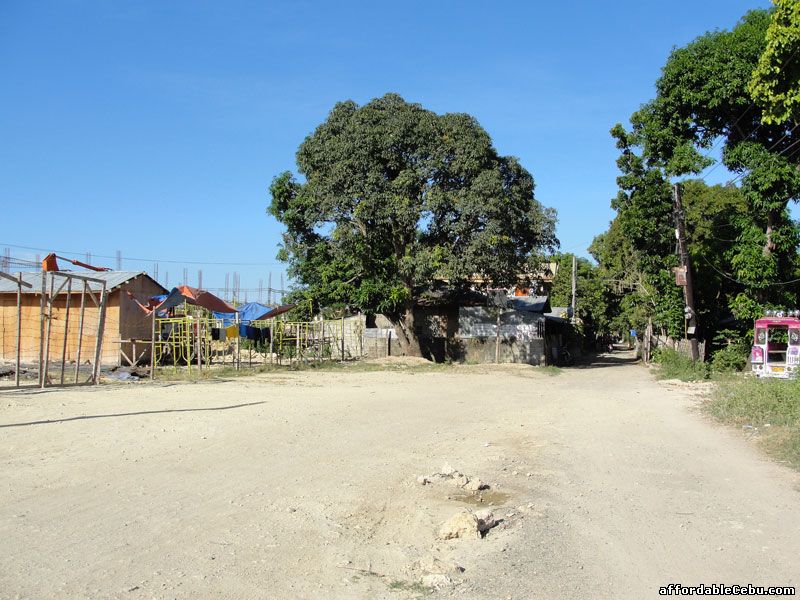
232 331
215 331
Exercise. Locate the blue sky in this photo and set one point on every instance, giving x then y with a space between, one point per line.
154 128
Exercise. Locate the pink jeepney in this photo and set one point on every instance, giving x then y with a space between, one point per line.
776 346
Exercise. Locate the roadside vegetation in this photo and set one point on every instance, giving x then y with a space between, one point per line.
767 408
674 365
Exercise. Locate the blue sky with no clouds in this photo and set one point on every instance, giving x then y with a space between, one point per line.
154 128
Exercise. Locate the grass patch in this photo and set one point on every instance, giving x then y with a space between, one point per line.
215 372
551 370
770 406
182 373
674 365
414 587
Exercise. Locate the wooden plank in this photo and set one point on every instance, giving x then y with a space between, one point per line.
92 296
82 278
66 331
153 347
19 328
99 342
17 280
42 299
47 334
80 331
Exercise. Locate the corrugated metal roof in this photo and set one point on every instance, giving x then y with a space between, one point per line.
537 304
113 280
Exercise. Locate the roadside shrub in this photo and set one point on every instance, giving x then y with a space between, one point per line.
674 365
729 359
770 406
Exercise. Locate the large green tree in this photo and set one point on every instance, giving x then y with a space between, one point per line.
742 239
775 83
394 197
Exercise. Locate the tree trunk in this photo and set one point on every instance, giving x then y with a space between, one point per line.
769 246
406 332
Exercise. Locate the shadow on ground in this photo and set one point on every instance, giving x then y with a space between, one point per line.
130 414
605 359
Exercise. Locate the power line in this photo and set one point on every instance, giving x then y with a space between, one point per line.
726 276
150 260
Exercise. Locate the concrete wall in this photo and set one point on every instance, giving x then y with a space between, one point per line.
521 336
483 350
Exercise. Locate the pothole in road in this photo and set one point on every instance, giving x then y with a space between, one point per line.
482 498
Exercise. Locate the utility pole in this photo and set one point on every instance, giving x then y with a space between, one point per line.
574 287
690 313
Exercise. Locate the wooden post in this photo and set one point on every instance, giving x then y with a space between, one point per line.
66 330
497 339
19 328
238 340
47 334
688 289
198 346
342 341
80 332
153 346
389 344
322 337
98 346
574 289
41 328
271 329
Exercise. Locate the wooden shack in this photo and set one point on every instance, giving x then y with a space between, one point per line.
125 320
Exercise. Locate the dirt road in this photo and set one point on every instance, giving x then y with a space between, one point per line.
304 485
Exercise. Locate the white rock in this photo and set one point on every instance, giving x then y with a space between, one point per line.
431 564
460 480
422 480
437 580
447 469
463 524
475 484
485 519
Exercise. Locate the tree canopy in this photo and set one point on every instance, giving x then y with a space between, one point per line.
395 197
742 239
775 83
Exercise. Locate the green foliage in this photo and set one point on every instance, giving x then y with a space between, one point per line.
742 240
674 365
729 359
395 197
775 83
771 407
593 306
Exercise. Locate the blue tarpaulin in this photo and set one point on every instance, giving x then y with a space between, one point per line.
251 311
